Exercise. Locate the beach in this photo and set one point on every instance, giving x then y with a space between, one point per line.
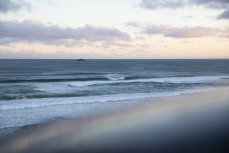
196 122
102 76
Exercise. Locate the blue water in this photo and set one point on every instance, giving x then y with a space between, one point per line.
36 91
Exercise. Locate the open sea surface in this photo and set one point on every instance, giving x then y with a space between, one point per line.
38 91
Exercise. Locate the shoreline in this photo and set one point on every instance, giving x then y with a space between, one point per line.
61 101
154 113
128 105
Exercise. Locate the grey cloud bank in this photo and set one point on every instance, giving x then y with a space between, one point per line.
214 4
9 5
155 4
31 30
224 15
175 4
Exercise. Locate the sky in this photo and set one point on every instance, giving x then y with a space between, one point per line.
114 29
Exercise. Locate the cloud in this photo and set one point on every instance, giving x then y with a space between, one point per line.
155 4
191 32
174 4
225 33
32 30
214 4
224 15
9 5
180 32
155 29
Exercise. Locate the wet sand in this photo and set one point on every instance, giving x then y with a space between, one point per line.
197 122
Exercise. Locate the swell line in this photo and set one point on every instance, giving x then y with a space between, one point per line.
66 79
54 80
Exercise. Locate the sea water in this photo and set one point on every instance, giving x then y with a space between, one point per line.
37 91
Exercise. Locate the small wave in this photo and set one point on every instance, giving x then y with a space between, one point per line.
120 77
54 80
195 79
115 77
61 95
99 78
36 103
75 73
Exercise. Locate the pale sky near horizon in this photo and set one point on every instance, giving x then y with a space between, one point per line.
114 29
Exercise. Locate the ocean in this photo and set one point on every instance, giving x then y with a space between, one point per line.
40 91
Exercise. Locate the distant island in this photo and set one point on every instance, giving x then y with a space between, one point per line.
81 60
